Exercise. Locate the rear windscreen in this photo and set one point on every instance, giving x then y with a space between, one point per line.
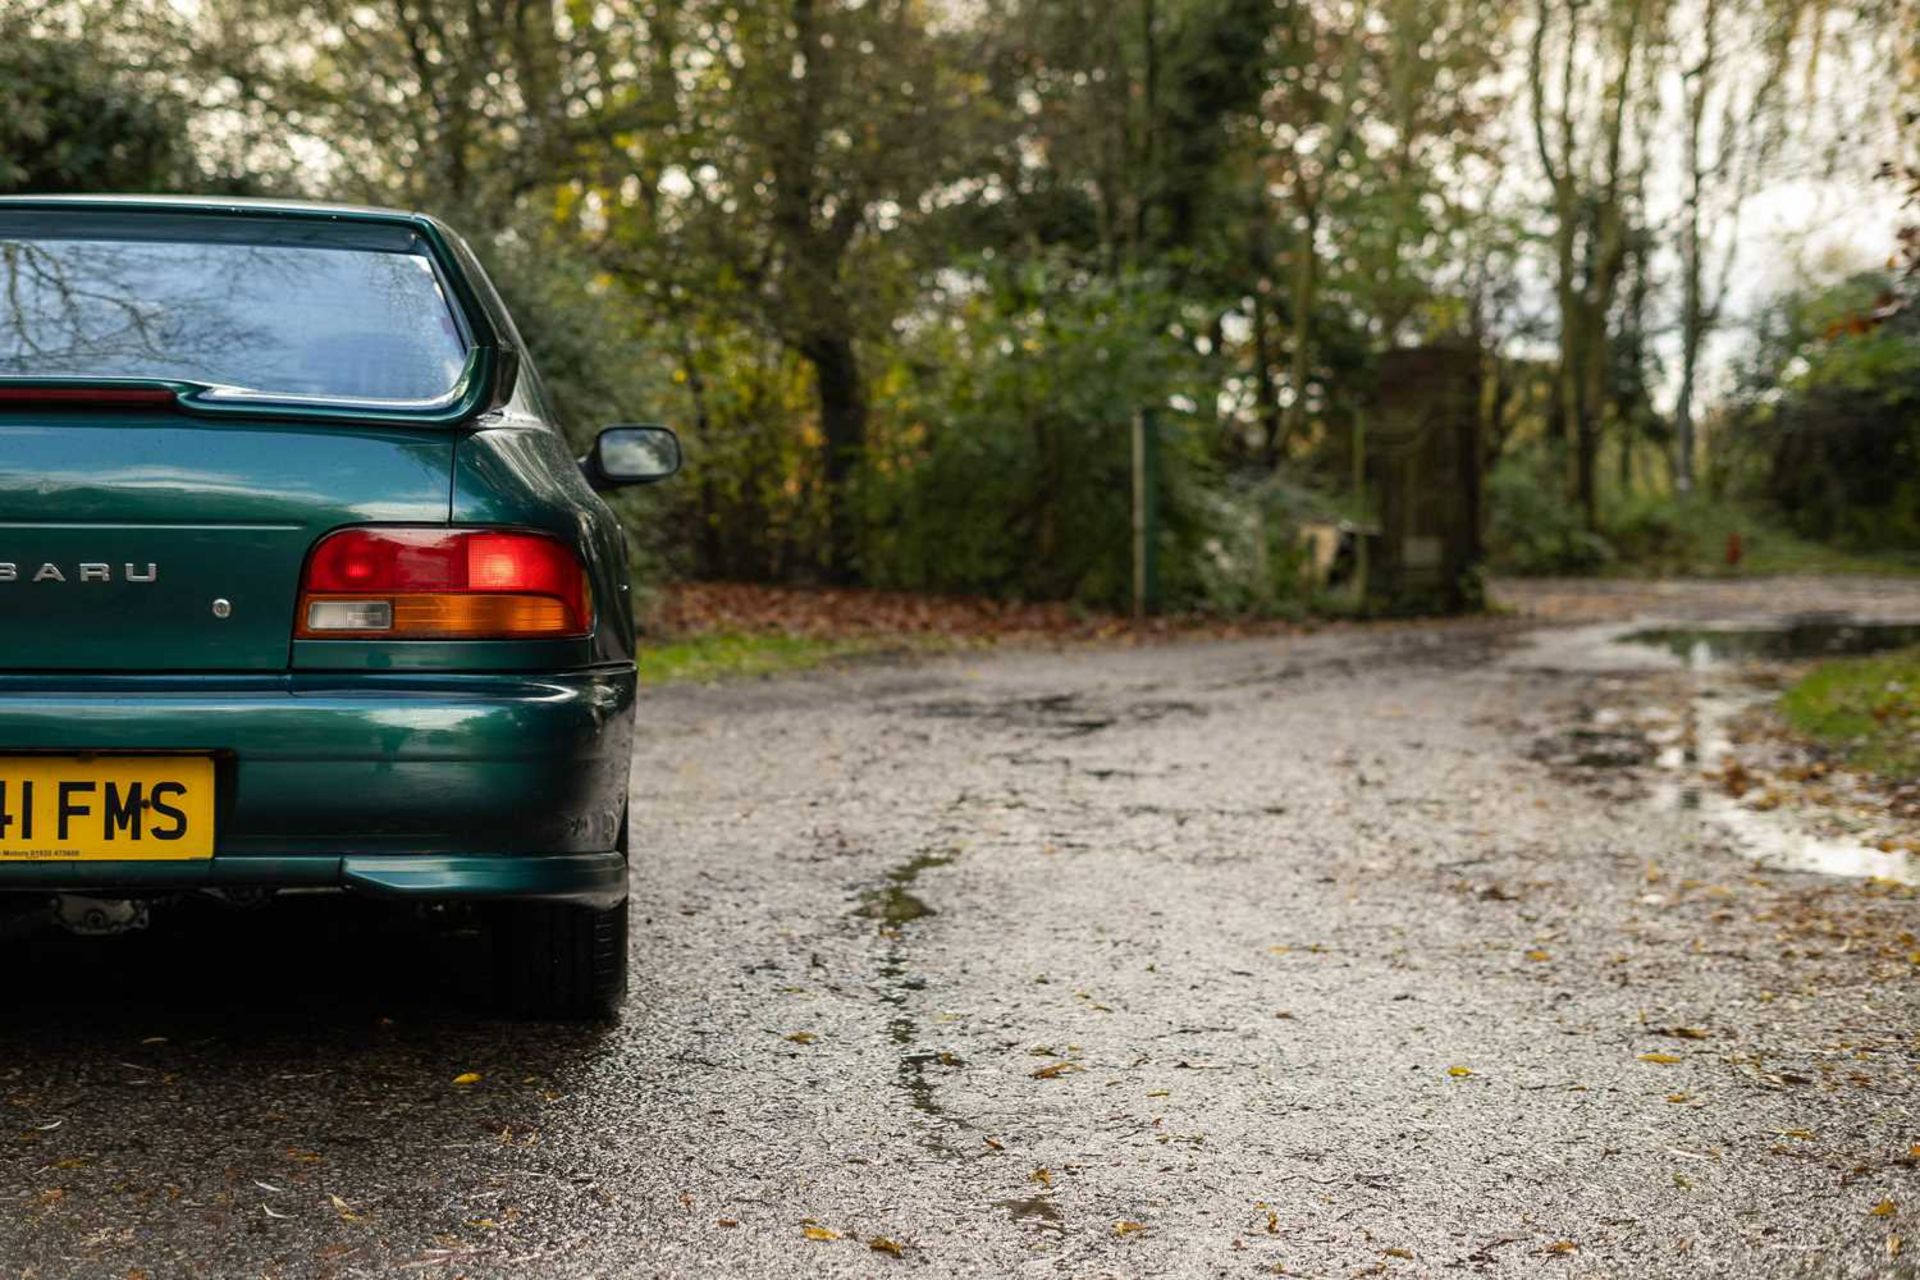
349 324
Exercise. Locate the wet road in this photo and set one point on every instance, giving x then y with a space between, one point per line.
1266 957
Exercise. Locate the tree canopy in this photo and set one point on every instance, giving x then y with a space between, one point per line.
904 272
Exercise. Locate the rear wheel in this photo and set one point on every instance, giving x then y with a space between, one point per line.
559 960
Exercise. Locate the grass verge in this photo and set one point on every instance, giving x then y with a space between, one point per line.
731 655
1867 708
1689 536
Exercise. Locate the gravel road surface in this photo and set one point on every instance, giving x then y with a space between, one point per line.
1264 957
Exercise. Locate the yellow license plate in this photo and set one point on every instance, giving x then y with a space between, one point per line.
106 808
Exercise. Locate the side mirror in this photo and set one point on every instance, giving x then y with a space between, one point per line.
639 454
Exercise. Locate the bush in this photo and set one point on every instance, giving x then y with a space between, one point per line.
74 119
1253 562
1658 534
1691 534
1531 525
1831 416
1002 461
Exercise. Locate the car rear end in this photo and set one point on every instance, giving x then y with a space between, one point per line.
296 588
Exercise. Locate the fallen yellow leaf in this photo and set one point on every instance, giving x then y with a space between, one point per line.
819 1233
344 1209
1678 1097
803 1037
1054 1070
1538 955
1894 1244
1459 1073
1273 1224
1805 1135
1042 1175
880 1244
1397 1252
1885 1209
1563 1246
1663 1059
466 1078
1128 1228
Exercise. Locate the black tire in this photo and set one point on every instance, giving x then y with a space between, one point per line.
553 960
560 961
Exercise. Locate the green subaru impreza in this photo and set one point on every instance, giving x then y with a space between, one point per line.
300 585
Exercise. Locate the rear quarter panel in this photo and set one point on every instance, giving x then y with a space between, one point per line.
521 473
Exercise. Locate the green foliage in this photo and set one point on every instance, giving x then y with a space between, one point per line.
1660 534
1006 465
1868 708
903 275
1532 528
1831 424
1253 562
73 119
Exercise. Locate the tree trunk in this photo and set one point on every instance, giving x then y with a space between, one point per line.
1306 279
1266 395
706 533
1683 446
843 422
1696 84
1587 429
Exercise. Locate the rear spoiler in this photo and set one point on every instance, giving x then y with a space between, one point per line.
485 383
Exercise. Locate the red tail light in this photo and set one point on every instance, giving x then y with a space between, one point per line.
443 584
86 395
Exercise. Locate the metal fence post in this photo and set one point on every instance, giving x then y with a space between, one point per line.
1361 505
1146 516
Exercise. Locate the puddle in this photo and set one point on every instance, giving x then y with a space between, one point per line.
1596 747
1766 836
1795 639
1774 844
1677 757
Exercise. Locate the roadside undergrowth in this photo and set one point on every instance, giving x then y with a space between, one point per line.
1865 710
704 632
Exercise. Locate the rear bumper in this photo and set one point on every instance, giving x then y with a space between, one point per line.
445 786
593 879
